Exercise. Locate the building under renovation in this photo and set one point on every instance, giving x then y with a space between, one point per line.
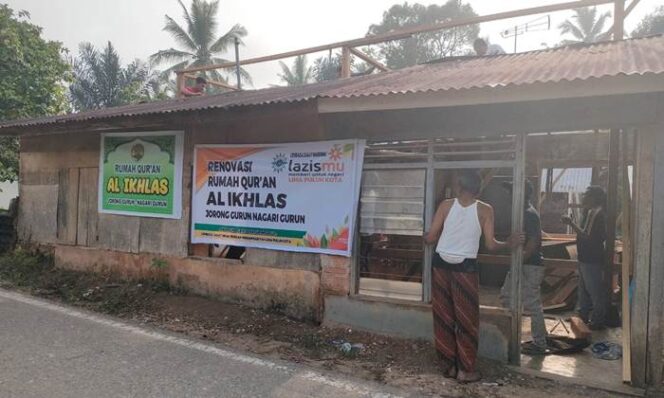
562 118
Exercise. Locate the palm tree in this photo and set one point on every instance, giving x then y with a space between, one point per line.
298 74
198 42
586 26
101 81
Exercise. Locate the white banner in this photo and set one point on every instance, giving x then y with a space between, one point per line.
298 197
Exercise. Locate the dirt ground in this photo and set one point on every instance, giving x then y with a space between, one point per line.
399 362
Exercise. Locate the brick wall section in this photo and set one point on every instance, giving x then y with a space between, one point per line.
335 275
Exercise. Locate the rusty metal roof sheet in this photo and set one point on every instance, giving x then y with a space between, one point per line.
571 63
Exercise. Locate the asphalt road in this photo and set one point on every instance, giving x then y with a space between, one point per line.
47 350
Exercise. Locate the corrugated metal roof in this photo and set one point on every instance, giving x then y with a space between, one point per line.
572 63
574 180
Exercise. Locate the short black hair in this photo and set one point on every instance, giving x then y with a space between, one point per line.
470 181
597 194
528 191
201 80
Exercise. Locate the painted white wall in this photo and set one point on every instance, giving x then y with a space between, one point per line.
8 191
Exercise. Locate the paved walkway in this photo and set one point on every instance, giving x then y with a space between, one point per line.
47 350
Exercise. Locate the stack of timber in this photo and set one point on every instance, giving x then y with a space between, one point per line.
559 289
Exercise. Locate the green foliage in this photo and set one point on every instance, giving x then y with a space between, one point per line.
298 74
8 159
652 24
22 268
198 42
329 67
100 80
586 26
32 77
159 263
425 47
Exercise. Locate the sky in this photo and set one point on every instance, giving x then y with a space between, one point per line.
135 26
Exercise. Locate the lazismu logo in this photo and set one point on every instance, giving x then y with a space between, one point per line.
312 166
279 163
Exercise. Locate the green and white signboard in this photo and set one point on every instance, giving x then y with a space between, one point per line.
140 174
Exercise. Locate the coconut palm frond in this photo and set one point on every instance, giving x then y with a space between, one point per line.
228 39
179 34
170 55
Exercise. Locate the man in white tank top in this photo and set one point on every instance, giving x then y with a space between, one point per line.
457 228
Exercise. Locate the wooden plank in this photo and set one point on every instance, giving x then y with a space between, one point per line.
38 214
519 180
408 32
67 217
88 214
655 350
579 328
612 203
214 83
429 211
368 59
179 84
643 196
626 260
119 233
618 20
345 63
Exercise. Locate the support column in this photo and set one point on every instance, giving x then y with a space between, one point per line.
179 84
519 180
429 210
345 62
655 352
643 197
612 206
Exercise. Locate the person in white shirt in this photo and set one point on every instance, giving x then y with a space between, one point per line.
457 228
483 48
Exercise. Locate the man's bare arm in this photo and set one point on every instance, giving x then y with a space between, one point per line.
436 229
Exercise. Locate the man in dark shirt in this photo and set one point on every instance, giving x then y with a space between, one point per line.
533 274
590 237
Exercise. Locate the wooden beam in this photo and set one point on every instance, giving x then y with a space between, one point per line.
179 84
628 11
345 63
612 203
626 259
631 7
655 350
368 59
410 31
643 215
618 19
518 190
215 83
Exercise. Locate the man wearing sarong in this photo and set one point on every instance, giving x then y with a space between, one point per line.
457 228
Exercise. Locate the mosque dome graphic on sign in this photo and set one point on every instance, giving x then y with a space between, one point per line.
137 152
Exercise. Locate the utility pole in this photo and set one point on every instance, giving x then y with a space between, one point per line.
237 63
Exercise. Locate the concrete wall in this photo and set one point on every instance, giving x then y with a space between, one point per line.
415 321
292 291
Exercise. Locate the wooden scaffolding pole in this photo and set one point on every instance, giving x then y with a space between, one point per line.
518 204
626 204
410 31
